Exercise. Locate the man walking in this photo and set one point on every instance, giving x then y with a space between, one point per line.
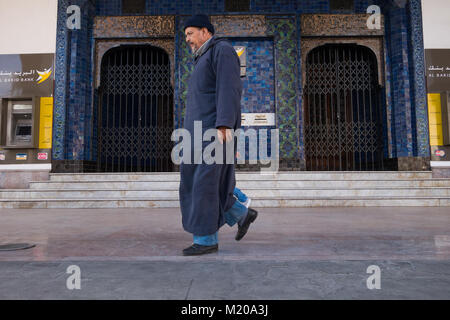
214 95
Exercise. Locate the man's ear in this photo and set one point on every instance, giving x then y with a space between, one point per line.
205 31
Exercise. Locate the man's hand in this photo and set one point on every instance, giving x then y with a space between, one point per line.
224 134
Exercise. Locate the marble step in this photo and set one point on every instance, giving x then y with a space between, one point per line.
244 184
283 189
240 176
272 203
255 193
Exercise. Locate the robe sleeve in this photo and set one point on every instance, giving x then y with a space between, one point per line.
228 86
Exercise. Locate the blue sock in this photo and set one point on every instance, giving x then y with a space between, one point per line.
240 195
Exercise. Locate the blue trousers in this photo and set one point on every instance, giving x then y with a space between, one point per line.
235 214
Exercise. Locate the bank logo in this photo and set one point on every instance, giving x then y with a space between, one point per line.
43 75
240 51
21 156
42 156
440 153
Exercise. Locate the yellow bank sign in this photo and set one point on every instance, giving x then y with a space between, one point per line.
435 119
46 123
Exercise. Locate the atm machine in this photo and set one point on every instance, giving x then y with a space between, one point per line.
19 129
20 124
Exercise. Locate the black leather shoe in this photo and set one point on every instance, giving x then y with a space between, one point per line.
198 249
242 230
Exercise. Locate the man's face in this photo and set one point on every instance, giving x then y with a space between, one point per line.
195 37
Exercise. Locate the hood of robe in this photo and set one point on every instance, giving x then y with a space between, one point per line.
212 42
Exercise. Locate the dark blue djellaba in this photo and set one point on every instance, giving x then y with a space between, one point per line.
214 97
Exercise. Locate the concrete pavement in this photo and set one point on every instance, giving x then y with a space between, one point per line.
289 253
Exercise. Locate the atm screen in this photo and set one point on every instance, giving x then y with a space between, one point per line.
23 130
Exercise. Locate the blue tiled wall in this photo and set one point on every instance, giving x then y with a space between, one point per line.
258 94
108 7
313 6
273 6
259 83
159 7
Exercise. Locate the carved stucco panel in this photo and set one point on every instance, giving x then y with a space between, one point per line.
134 26
338 25
240 26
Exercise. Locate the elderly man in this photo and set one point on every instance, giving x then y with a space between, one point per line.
214 96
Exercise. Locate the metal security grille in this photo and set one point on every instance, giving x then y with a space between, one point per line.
136 111
342 114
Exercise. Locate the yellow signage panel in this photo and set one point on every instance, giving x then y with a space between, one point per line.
435 119
46 123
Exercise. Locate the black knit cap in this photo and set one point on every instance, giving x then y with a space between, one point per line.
200 21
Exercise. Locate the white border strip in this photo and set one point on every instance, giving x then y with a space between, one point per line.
26 167
440 164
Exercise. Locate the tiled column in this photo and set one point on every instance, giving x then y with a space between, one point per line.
417 68
73 90
60 102
406 93
285 33
401 91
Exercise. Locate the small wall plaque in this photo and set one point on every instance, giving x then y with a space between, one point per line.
258 119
